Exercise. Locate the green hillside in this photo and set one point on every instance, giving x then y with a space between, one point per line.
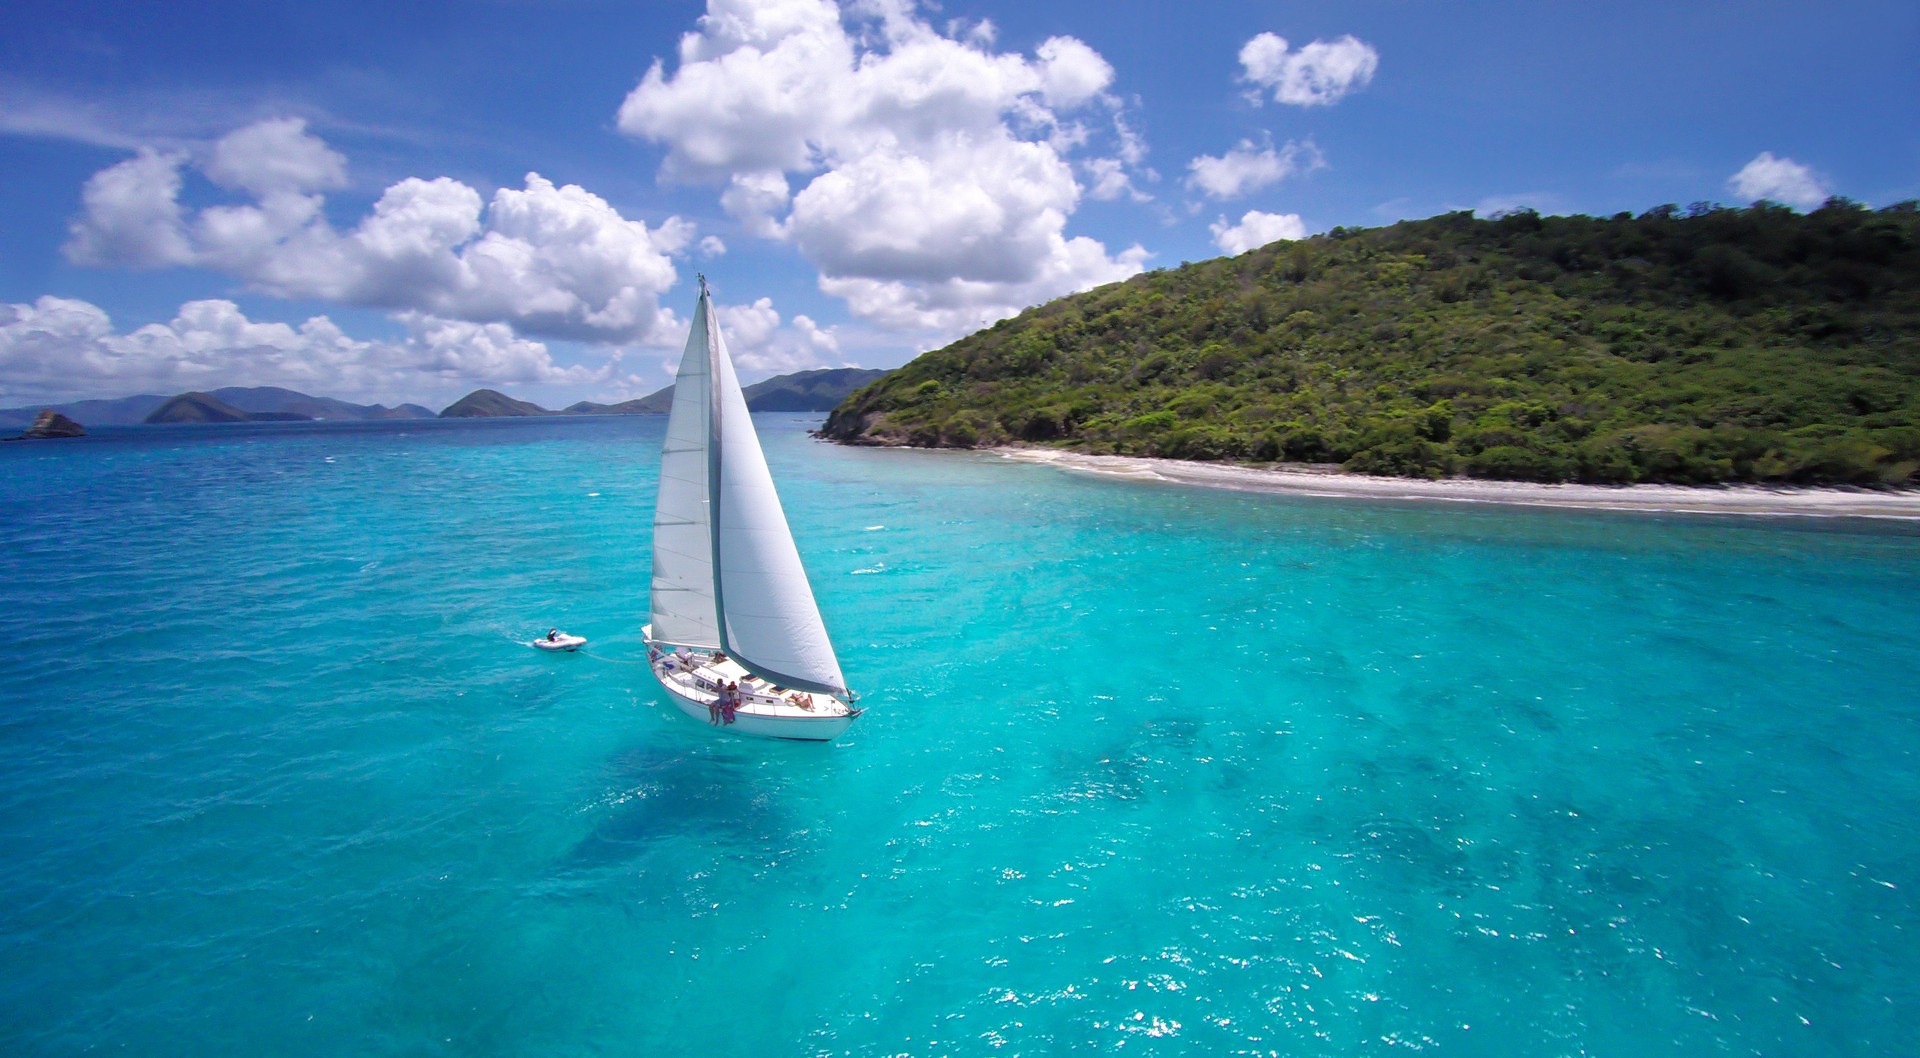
1712 345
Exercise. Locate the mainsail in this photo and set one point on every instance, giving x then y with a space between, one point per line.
725 571
683 601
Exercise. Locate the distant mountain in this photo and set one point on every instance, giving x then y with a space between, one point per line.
132 411
275 399
204 407
658 402
817 390
490 404
123 411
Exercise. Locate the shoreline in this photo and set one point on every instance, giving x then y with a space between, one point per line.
1794 501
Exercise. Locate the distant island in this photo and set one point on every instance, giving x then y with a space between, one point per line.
1687 347
50 424
247 400
657 403
489 404
203 407
816 390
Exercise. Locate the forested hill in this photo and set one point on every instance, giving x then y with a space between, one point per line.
1716 345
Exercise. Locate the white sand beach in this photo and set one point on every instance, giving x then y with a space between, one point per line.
1314 481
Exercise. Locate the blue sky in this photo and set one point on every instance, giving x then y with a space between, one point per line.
342 197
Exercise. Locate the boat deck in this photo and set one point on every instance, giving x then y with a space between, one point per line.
757 696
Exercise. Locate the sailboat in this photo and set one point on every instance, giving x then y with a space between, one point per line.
731 605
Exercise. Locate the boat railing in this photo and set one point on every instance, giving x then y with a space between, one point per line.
696 678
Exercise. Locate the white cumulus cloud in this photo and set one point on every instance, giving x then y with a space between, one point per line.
1071 74
275 155
899 214
482 352
928 177
133 215
1256 229
549 260
1781 180
821 338
1319 74
1249 167
754 199
955 306
61 348
761 347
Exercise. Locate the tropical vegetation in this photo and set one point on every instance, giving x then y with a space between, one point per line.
1693 346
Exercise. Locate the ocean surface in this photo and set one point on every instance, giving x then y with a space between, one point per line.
1145 769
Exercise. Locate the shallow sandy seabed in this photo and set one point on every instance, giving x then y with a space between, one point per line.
1687 499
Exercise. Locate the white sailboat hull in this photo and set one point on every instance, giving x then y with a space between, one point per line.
768 713
803 729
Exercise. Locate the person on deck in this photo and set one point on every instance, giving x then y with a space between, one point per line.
730 703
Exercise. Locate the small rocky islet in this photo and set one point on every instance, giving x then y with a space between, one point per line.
49 424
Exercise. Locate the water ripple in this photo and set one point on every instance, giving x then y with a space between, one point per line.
1142 766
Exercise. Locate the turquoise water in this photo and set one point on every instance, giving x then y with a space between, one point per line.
1145 768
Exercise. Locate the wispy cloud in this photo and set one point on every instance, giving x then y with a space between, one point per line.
175 119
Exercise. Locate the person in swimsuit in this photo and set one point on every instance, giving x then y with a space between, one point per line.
730 703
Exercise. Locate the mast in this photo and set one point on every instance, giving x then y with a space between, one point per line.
704 310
